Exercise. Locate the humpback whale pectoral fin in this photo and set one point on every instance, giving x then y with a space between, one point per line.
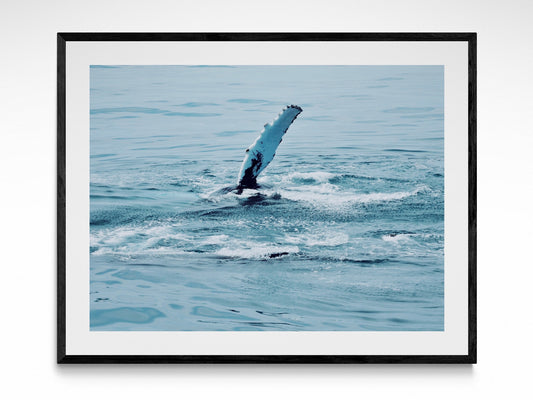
263 149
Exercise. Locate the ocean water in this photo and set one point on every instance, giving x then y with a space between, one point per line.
346 232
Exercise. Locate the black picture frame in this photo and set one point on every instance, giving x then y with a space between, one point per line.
64 358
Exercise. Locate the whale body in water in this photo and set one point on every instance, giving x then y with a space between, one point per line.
261 152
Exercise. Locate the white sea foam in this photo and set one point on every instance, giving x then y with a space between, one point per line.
216 195
327 194
216 239
323 239
133 238
402 237
317 176
257 251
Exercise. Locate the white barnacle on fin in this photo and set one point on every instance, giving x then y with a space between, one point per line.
265 145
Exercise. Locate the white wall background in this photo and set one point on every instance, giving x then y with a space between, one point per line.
27 164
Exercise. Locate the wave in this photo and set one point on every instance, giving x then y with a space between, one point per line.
367 262
239 240
403 237
308 177
257 251
396 238
135 239
325 195
329 239
317 189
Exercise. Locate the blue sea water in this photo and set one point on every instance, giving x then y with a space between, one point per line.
346 232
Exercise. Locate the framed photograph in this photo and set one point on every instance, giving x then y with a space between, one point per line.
266 197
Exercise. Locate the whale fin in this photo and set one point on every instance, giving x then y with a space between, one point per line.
263 149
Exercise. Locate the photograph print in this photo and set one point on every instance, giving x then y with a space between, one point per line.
267 198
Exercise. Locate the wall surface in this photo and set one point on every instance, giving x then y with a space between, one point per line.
27 161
